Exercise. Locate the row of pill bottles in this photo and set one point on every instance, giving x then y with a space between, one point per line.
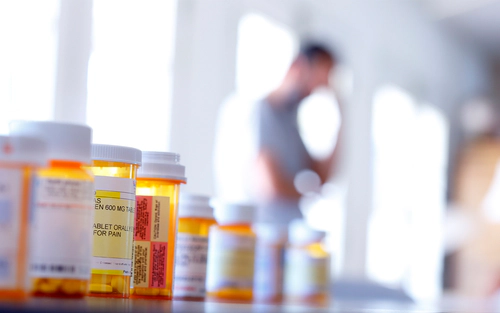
62 207
195 219
19 159
158 187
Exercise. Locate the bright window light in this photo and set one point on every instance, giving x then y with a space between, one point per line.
28 37
130 73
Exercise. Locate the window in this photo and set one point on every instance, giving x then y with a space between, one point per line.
130 73
28 38
410 160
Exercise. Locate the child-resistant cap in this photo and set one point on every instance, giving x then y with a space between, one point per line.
65 142
300 233
271 233
234 213
195 206
112 153
26 150
162 165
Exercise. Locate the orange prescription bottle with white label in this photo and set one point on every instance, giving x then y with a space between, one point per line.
307 266
196 216
158 184
231 254
61 241
19 158
115 170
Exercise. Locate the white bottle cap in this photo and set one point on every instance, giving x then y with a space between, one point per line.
26 150
65 142
271 233
234 213
195 206
300 233
162 165
112 153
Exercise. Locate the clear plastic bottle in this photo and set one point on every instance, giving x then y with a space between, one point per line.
231 254
269 262
63 210
19 158
307 266
158 184
195 219
115 170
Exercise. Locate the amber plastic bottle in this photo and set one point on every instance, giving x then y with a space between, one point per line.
62 210
19 158
195 219
158 185
307 266
115 170
231 254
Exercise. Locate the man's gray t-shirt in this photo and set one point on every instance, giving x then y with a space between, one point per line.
278 133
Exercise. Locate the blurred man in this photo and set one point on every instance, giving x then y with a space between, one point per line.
259 150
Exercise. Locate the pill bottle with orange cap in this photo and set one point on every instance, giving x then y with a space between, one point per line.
196 216
231 254
19 158
115 170
158 186
63 198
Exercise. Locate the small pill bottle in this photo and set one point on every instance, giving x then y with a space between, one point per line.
231 254
63 205
307 266
158 185
269 262
115 171
196 216
19 158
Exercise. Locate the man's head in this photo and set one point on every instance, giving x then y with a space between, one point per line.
311 69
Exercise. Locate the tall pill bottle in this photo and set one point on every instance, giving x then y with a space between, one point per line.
231 254
115 170
307 266
269 262
19 158
196 216
63 205
158 184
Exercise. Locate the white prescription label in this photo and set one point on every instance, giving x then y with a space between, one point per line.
306 275
61 243
269 263
190 265
10 218
230 260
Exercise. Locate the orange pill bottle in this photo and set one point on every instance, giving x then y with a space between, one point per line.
19 158
196 216
231 254
115 170
158 184
63 193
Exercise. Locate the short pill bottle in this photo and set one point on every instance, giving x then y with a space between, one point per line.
231 254
269 262
19 158
158 187
63 205
307 266
115 171
196 216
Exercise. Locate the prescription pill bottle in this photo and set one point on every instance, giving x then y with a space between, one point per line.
115 170
231 254
63 198
269 262
158 184
195 218
307 266
19 158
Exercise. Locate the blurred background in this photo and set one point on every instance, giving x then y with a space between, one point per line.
416 203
